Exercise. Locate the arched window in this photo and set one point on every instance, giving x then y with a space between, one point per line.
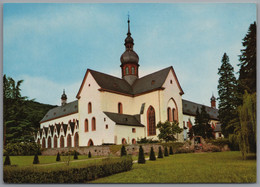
151 128
76 140
61 141
133 70
69 140
86 125
55 141
120 108
133 141
93 124
169 114
126 70
89 107
174 115
49 142
123 141
90 142
43 143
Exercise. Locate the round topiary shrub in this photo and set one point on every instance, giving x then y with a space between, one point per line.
36 159
58 157
160 154
7 160
123 151
89 154
141 158
152 154
171 150
166 151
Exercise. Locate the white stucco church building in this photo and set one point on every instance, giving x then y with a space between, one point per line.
112 110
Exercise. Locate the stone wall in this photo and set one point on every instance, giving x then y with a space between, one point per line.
102 150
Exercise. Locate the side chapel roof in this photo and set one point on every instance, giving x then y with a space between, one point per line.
190 108
124 119
60 111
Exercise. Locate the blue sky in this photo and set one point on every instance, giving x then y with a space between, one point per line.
50 46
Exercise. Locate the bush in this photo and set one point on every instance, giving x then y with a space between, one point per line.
36 159
71 175
160 154
58 157
89 154
7 160
171 150
184 150
152 154
22 149
147 140
141 158
123 151
211 148
166 151
75 155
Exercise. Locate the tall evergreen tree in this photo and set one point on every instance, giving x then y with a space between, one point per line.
36 159
58 157
160 154
166 151
227 89
247 72
202 126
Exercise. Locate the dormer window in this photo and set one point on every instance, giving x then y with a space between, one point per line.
171 81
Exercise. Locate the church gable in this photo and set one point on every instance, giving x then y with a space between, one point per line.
172 80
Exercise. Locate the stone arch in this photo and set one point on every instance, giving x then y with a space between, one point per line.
90 142
151 126
49 142
43 143
173 105
124 141
76 139
62 141
69 140
55 141
38 141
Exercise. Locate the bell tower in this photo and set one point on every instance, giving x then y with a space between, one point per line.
129 59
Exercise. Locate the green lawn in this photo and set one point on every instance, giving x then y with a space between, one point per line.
48 161
221 167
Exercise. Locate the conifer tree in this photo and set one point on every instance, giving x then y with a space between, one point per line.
160 154
247 72
166 151
152 154
36 159
89 154
141 158
58 157
171 150
227 89
7 160
202 126
123 151
75 155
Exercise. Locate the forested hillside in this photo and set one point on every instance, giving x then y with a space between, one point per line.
21 116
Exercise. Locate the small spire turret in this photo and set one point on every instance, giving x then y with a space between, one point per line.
63 98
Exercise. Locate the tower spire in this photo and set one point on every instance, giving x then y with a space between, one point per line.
128 21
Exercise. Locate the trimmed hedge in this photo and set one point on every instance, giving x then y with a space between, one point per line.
69 175
25 149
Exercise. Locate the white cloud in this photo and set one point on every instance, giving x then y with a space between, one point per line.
47 91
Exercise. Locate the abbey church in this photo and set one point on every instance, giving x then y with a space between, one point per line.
113 110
